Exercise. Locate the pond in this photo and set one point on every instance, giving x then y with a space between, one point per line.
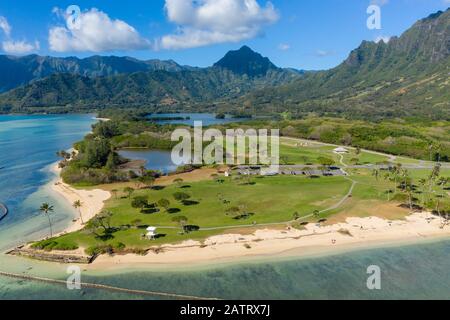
155 159
208 119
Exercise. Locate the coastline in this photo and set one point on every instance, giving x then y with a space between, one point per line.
92 200
354 234
265 244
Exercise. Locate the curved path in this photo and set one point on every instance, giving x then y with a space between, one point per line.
105 287
333 207
421 164
3 211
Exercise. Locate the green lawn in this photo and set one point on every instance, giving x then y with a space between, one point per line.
293 152
267 199
270 199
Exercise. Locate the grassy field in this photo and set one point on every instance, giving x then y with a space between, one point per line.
257 200
294 152
268 200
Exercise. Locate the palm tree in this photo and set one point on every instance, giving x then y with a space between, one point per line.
129 191
422 183
316 213
387 177
407 186
376 174
46 209
77 205
434 175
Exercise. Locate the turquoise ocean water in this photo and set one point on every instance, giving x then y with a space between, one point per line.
27 149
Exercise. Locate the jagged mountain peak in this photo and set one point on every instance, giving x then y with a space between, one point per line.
246 61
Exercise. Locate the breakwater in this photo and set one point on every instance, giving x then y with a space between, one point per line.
3 211
105 287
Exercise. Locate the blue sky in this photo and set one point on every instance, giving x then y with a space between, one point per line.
305 34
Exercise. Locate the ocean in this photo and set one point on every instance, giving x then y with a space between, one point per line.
28 146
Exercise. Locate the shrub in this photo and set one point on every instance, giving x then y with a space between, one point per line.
51 244
102 249
118 246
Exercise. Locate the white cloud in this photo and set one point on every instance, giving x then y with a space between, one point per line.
95 32
284 46
380 2
4 25
205 22
11 46
324 53
385 39
19 47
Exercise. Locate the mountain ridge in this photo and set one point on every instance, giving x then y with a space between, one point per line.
16 71
408 76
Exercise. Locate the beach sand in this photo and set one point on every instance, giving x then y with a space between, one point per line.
354 234
92 200
315 239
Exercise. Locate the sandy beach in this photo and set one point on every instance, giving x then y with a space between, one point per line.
92 200
355 233
314 239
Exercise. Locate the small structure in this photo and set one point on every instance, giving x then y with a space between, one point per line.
340 150
151 233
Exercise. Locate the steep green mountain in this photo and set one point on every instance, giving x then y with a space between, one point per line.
157 88
408 76
17 71
246 61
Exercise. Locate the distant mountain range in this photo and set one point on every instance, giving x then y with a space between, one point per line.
99 82
17 71
408 76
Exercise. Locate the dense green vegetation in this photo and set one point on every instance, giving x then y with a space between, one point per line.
189 87
406 77
96 160
201 209
427 140
16 71
409 76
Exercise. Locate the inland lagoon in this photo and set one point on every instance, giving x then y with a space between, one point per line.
28 146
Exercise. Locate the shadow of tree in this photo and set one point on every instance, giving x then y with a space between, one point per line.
190 203
150 211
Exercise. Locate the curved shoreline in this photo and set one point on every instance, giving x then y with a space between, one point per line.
264 244
354 234
92 201
3 208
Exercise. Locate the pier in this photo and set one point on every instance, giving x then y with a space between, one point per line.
3 211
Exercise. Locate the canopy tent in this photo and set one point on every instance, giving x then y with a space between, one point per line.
340 150
151 233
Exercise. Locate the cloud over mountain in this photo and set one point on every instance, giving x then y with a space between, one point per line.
206 22
11 46
95 31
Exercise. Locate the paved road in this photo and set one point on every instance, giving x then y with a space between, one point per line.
392 158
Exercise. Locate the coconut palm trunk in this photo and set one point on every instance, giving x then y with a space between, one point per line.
46 209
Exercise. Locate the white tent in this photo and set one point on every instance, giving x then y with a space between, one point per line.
151 233
340 150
